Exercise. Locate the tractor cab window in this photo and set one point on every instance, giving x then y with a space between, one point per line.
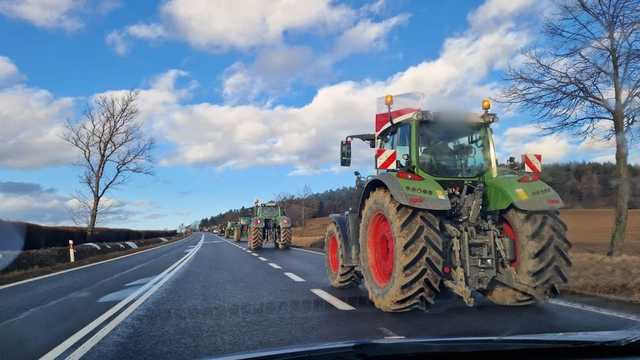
269 211
399 139
452 150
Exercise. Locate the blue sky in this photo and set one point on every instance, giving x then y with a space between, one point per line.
246 99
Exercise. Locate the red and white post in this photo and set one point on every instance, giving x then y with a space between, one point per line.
72 252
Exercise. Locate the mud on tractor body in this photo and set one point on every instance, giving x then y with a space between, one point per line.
440 213
269 224
241 228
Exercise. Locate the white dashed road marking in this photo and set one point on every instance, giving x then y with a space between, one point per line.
294 277
254 254
275 266
337 303
261 258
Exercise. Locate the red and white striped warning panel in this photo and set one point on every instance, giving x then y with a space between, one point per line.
404 106
532 163
386 159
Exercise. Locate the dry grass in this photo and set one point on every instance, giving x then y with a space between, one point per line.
593 273
614 277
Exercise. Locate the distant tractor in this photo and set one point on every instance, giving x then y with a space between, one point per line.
269 224
241 228
229 229
441 212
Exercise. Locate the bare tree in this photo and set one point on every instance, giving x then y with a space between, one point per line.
304 194
585 79
113 146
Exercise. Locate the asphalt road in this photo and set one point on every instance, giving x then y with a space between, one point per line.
206 296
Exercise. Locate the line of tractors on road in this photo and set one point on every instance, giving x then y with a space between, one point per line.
268 224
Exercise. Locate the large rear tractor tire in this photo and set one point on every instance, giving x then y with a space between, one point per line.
542 255
401 254
284 242
339 274
255 238
237 234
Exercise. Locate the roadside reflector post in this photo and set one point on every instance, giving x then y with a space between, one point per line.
72 252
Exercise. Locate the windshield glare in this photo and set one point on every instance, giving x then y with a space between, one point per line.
447 150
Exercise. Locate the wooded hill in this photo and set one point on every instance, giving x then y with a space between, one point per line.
581 185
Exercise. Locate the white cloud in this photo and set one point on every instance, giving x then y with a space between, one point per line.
44 13
529 139
249 23
32 127
276 68
8 70
366 35
147 31
118 41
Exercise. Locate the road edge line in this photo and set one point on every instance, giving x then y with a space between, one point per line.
307 250
595 309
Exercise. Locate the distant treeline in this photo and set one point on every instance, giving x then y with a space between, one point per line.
581 185
26 236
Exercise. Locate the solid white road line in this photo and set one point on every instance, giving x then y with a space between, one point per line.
294 277
84 348
261 258
595 309
65 345
337 303
309 251
275 266
86 266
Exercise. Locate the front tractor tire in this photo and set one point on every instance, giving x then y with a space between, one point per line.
542 255
339 274
401 254
284 241
256 238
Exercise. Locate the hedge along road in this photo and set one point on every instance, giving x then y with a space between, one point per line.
225 298
37 315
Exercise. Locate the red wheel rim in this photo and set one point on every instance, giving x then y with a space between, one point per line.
334 260
380 249
508 231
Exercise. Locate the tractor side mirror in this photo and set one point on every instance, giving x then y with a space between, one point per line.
345 153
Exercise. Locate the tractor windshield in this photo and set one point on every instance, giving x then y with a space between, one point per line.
269 211
452 149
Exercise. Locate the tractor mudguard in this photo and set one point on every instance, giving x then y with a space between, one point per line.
342 223
424 194
504 190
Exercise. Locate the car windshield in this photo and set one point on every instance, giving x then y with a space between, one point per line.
176 175
451 149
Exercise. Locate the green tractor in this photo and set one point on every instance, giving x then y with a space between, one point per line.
269 224
440 212
229 229
241 228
